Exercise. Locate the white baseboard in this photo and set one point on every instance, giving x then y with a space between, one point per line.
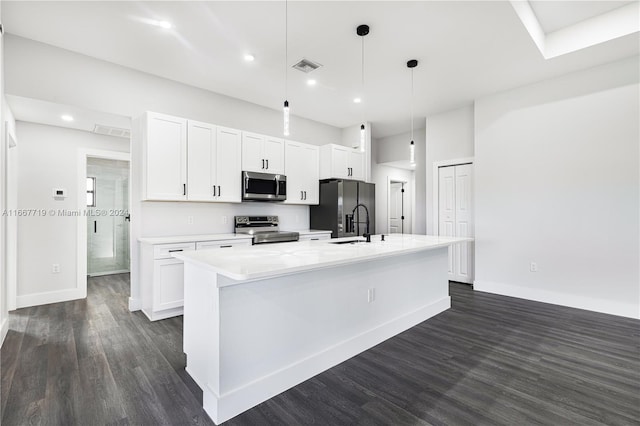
36 299
101 274
224 407
134 304
4 329
628 310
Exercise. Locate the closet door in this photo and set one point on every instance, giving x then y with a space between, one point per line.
447 210
463 253
455 217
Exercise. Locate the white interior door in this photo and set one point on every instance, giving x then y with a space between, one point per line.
446 208
455 217
396 208
463 267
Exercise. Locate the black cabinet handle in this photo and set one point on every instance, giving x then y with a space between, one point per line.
95 226
226 246
171 251
184 189
214 190
267 164
263 164
302 195
219 191
305 195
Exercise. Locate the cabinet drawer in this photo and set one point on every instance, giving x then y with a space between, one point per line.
164 251
221 244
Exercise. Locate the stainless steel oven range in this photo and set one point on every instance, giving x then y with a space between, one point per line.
264 229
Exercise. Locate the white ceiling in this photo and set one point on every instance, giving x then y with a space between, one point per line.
556 15
466 50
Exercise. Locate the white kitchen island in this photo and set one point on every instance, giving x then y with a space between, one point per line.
261 319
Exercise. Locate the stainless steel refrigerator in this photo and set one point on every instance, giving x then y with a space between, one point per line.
338 198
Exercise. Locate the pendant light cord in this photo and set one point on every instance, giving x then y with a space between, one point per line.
362 81
412 104
286 49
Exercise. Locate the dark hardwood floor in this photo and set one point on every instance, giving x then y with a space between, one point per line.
489 360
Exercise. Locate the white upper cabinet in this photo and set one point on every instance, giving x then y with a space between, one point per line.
228 164
189 160
341 162
302 171
164 157
213 163
263 154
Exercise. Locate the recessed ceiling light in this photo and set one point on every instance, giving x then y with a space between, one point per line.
67 117
162 24
311 82
249 57
357 100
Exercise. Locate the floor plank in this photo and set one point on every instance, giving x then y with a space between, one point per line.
489 360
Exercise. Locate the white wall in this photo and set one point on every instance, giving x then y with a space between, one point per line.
380 175
4 312
47 159
557 183
449 135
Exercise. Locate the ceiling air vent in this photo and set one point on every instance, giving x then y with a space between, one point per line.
111 131
306 66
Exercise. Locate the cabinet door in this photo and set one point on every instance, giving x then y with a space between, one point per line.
168 289
294 169
356 163
340 162
311 174
201 158
165 154
274 155
228 165
252 153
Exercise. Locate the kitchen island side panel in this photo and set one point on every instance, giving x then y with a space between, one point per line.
274 333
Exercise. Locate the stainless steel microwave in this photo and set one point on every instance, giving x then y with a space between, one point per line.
263 187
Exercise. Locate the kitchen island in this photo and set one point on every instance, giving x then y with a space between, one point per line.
261 319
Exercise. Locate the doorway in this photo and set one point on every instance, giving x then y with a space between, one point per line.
398 207
454 215
107 216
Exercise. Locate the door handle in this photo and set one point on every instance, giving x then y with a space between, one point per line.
214 190
302 195
263 164
95 226
219 191
305 195
267 164
184 189
226 246
173 251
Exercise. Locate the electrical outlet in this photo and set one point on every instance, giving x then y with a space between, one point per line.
225 220
190 220
371 295
55 268
533 267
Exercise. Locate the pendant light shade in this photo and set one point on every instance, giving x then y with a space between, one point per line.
285 110
412 146
362 31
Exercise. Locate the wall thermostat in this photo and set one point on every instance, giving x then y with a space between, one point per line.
59 193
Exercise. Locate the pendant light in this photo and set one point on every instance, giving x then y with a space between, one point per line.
412 146
285 108
362 31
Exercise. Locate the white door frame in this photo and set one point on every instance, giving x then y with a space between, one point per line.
81 248
404 186
436 186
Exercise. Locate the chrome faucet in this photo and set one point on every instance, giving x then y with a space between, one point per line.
367 235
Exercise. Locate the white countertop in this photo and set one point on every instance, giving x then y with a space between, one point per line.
193 238
271 260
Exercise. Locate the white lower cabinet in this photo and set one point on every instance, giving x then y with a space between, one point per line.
162 276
